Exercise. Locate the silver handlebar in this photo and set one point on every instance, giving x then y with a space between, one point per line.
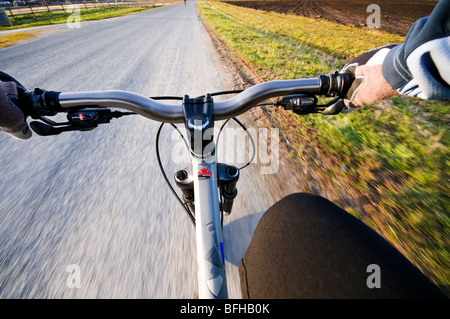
162 112
124 100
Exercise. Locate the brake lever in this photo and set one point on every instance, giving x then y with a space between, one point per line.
43 129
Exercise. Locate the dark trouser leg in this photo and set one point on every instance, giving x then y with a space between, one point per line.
307 247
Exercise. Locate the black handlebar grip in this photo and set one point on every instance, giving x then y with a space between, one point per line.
36 103
40 102
335 84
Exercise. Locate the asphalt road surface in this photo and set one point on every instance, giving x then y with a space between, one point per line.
97 199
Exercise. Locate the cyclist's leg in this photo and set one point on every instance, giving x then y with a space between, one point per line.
307 247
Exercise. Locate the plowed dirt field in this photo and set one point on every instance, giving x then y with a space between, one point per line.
396 16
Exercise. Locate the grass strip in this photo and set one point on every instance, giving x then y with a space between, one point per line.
86 15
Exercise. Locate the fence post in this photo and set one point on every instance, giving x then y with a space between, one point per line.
31 9
12 16
64 10
85 5
48 9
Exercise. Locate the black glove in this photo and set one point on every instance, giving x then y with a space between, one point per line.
12 119
369 85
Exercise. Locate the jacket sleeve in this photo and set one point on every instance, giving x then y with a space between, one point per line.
420 66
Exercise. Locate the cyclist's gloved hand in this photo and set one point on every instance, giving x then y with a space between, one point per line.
12 119
369 85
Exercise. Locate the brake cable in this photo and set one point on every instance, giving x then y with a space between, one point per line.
158 157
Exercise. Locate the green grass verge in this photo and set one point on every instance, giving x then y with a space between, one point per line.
13 38
388 163
86 15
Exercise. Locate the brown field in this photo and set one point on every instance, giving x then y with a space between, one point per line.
396 16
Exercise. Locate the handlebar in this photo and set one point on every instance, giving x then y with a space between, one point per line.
174 113
40 103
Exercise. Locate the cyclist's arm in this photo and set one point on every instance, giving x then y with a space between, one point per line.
420 65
